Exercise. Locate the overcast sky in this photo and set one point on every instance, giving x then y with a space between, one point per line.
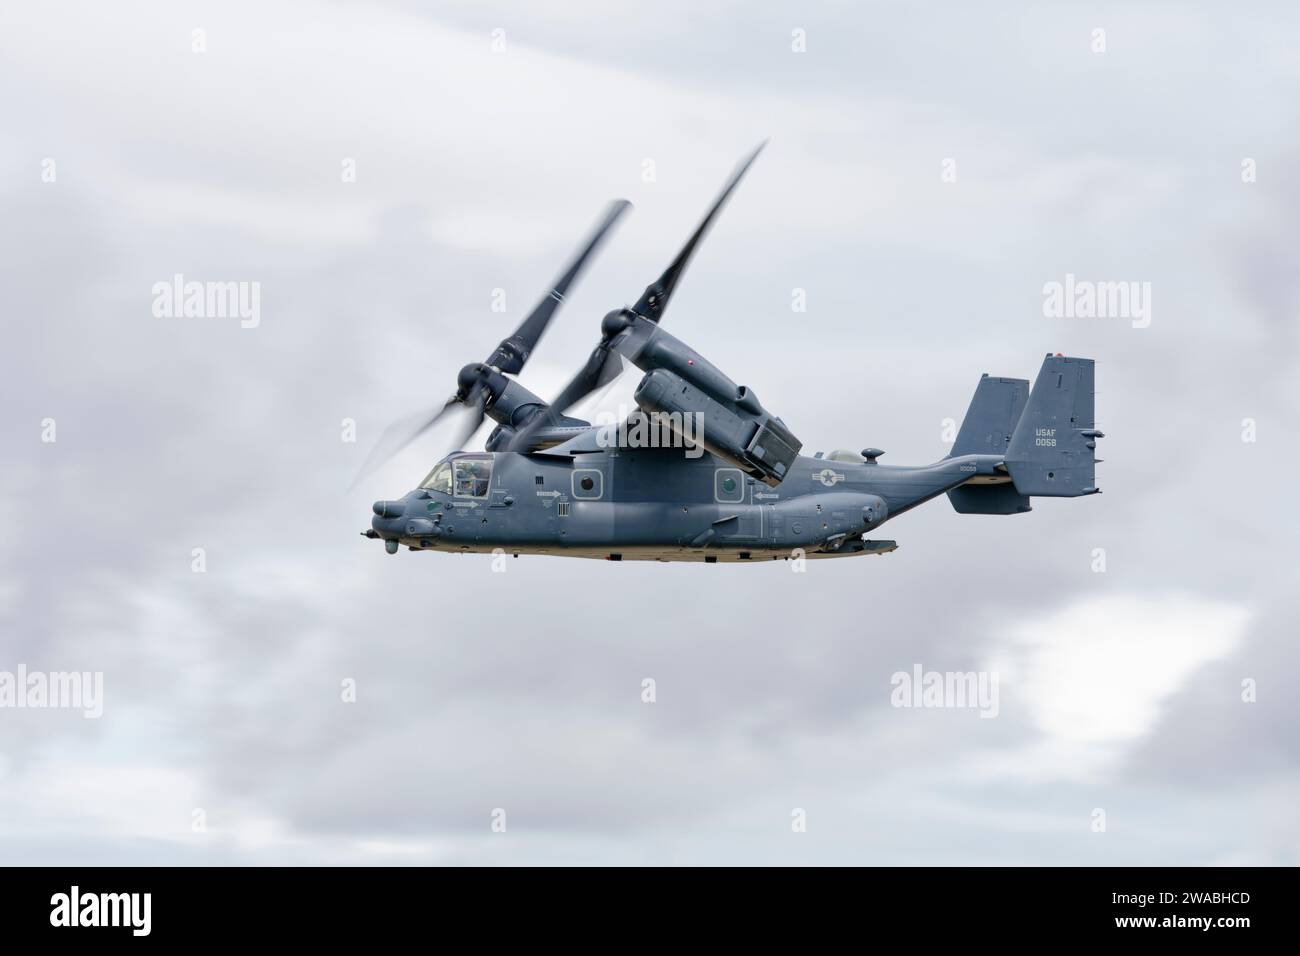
485 139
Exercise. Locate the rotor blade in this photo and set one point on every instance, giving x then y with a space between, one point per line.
513 352
397 436
587 380
610 373
474 405
654 300
613 367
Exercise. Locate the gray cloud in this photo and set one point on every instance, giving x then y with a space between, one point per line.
522 690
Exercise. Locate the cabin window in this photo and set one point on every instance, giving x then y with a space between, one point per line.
729 486
588 483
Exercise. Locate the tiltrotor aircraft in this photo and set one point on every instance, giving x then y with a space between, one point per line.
703 471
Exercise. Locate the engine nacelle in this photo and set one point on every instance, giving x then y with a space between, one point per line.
738 430
511 404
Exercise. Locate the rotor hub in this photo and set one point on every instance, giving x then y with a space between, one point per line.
467 378
615 322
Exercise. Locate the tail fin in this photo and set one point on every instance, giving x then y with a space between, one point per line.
992 416
986 430
1051 449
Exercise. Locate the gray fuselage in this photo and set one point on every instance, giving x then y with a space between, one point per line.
661 504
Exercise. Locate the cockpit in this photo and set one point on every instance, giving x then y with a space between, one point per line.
465 476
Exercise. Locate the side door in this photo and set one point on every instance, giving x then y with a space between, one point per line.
590 512
544 503
733 493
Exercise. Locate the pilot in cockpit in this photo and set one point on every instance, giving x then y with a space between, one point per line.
471 479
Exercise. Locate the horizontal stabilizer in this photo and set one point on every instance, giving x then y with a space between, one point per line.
989 500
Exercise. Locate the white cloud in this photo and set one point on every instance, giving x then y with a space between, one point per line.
1092 676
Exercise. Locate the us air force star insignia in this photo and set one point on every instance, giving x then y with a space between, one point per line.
828 477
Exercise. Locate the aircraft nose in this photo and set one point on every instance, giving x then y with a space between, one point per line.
389 509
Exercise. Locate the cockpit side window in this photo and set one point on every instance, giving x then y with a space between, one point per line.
439 479
472 477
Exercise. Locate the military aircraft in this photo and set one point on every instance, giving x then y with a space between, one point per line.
702 471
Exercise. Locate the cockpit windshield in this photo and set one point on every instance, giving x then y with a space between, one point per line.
465 477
